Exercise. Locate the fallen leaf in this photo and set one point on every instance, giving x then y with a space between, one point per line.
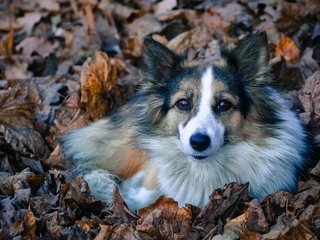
309 96
257 221
308 65
165 219
293 14
120 213
287 49
269 210
237 226
31 45
7 182
143 26
6 46
29 20
288 75
223 203
7 25
17 70
165 6
98 81
49 5
85 226
17 114
212 19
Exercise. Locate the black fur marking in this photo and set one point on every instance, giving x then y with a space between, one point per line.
158 62
249 63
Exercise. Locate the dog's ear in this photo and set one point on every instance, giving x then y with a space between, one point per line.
251 58
157 61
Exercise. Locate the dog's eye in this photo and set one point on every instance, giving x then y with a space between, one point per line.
223 106
183 104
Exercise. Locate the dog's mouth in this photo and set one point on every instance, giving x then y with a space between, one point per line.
199 157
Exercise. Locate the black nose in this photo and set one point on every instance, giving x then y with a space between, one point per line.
199 142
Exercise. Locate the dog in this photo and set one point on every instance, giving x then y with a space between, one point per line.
192 128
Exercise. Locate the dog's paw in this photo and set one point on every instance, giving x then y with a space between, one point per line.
101 184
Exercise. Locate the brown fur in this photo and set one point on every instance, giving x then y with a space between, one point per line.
132 162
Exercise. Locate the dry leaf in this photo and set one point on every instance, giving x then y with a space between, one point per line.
120 213
6 46
17 114
257 221
7 183
165 219
49 5
309 96
31 45
165 6
29 20
223 204
98 82
287 48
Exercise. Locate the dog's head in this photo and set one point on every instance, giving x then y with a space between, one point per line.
212 104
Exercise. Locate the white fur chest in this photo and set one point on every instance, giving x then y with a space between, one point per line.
267 168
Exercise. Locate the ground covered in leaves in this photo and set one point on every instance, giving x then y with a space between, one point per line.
66 63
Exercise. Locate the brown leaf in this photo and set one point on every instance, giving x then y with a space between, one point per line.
236 226
120 232
309 96
7 182
223 204
165 219
288 75
85 226
35 181
49 5
143 26
17 114
165 6
30 225
120 213
83 185
52 225
25 225
6 46
98 80
195 38
29 20
287 49
214 21
257 221
69 115
119 10
89 16
38 45
293 14
56 160
104 232
7 25
17 70
268 210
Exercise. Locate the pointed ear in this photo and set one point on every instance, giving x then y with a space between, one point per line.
251 58
157 61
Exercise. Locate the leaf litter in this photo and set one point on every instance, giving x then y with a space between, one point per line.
64 64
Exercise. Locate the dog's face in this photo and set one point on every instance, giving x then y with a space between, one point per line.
210 105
